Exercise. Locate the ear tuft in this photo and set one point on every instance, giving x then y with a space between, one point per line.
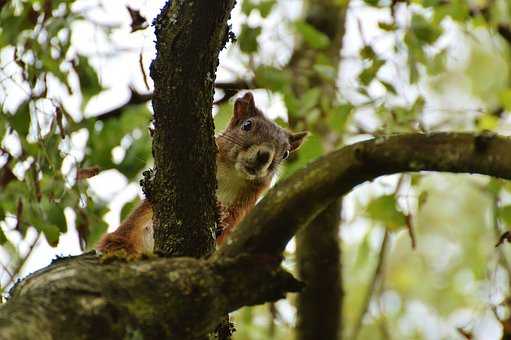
249 98
296 140
244 107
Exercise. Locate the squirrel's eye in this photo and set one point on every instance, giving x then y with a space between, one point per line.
286 154
246 125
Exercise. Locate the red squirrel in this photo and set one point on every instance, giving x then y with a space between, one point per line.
249 152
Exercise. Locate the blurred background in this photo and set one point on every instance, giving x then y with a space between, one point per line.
419 254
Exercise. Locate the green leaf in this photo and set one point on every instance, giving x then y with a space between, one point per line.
51 232
505 214
413 71
20 121
3 239
3 125
367 52
309 100
424 30
488 122
90 220
369 73
384 209
223 117
247 39
89 80
418 106
272 78
505 99
96 230
338 117
129 207
265 7
312 36
311 149
56 217
136 157
326 72
388 86
2 213
54 214
437 65
423 198
372 3
247 6
389 27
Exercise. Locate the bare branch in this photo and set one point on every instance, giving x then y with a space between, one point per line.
230 89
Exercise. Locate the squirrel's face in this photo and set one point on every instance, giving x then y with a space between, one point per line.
254 145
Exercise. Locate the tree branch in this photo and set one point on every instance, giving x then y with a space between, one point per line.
136 98
296 201
180 298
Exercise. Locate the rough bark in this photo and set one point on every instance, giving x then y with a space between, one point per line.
186 298
317 246
189 37
181 298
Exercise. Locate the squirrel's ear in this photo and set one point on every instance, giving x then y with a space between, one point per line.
244 107
296 140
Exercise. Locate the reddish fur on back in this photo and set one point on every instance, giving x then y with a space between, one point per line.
129 235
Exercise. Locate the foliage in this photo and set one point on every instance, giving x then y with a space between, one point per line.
44 166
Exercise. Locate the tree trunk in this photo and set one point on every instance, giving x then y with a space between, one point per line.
189 37
317 245
319 267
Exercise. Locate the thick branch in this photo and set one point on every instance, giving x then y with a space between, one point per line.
182 298
295 201
189 37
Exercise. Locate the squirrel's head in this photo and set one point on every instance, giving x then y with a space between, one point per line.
254 144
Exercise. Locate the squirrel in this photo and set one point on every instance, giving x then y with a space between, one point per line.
250 150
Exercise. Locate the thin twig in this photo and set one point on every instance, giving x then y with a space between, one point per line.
372 287
409 227
498 231
23 261
4 267
144 75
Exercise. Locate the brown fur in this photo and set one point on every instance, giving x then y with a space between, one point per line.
127 236
242 177
233 214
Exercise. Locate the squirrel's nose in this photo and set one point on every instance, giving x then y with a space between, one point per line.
263 157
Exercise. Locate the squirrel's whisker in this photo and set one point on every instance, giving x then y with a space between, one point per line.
231 139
